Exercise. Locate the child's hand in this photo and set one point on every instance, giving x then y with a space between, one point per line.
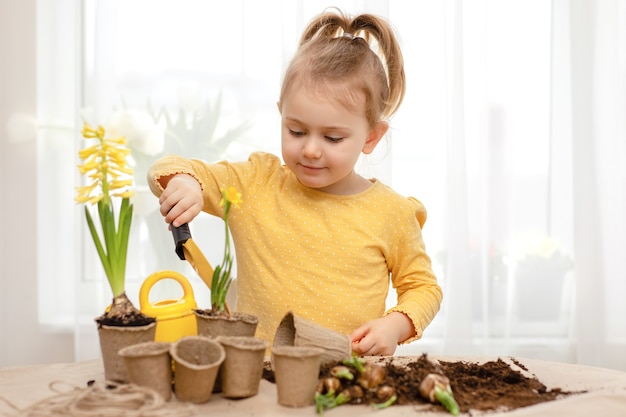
181 200
380 337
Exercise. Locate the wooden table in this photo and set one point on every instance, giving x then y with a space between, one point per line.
605 396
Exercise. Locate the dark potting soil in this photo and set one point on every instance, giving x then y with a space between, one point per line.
210 312
133 318
488 386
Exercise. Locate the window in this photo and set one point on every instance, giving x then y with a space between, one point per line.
474 140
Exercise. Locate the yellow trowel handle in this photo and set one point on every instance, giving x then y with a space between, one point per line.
181 235
187 249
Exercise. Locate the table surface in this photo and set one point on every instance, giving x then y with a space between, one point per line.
605 396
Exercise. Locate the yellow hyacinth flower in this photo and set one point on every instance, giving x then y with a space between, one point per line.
108 176
104 163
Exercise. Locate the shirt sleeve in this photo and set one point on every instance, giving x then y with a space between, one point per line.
419 294
213 177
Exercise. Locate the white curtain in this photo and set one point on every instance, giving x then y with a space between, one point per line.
569 187
521 180
512 134
595 124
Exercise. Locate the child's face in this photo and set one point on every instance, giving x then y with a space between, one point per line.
322 141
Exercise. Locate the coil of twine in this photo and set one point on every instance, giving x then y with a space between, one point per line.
97 400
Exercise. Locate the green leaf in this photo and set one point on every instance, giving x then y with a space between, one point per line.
386 404
107 219
123 234
98 244
356 362
446 399
112 246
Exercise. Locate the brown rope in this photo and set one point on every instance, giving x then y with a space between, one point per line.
110 400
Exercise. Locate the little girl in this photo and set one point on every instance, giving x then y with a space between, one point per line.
312 236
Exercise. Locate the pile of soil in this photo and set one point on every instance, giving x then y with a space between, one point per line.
488 386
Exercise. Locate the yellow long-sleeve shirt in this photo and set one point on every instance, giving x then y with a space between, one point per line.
328 258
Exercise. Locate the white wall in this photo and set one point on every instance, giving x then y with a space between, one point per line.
22 340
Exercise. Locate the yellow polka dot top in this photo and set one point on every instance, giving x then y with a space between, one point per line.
328 258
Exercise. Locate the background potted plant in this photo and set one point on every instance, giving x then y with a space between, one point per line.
193 130
109 188
540 275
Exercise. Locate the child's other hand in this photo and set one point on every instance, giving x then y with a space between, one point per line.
380 337
181 200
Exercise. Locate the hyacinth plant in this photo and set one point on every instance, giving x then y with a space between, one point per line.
109 181
222 277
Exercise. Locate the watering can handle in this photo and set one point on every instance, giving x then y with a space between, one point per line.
185 304
181 235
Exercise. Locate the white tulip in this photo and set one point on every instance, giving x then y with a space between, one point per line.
141 132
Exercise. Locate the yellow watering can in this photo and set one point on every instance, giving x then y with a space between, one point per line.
175 317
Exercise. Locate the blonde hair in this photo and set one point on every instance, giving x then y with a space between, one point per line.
336 55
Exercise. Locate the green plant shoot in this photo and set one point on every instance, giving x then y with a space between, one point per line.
222 277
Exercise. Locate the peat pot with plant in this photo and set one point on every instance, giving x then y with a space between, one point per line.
108 211
218 320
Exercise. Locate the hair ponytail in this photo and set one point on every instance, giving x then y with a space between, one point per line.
337 49
390 53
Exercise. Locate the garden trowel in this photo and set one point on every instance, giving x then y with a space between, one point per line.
186 249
